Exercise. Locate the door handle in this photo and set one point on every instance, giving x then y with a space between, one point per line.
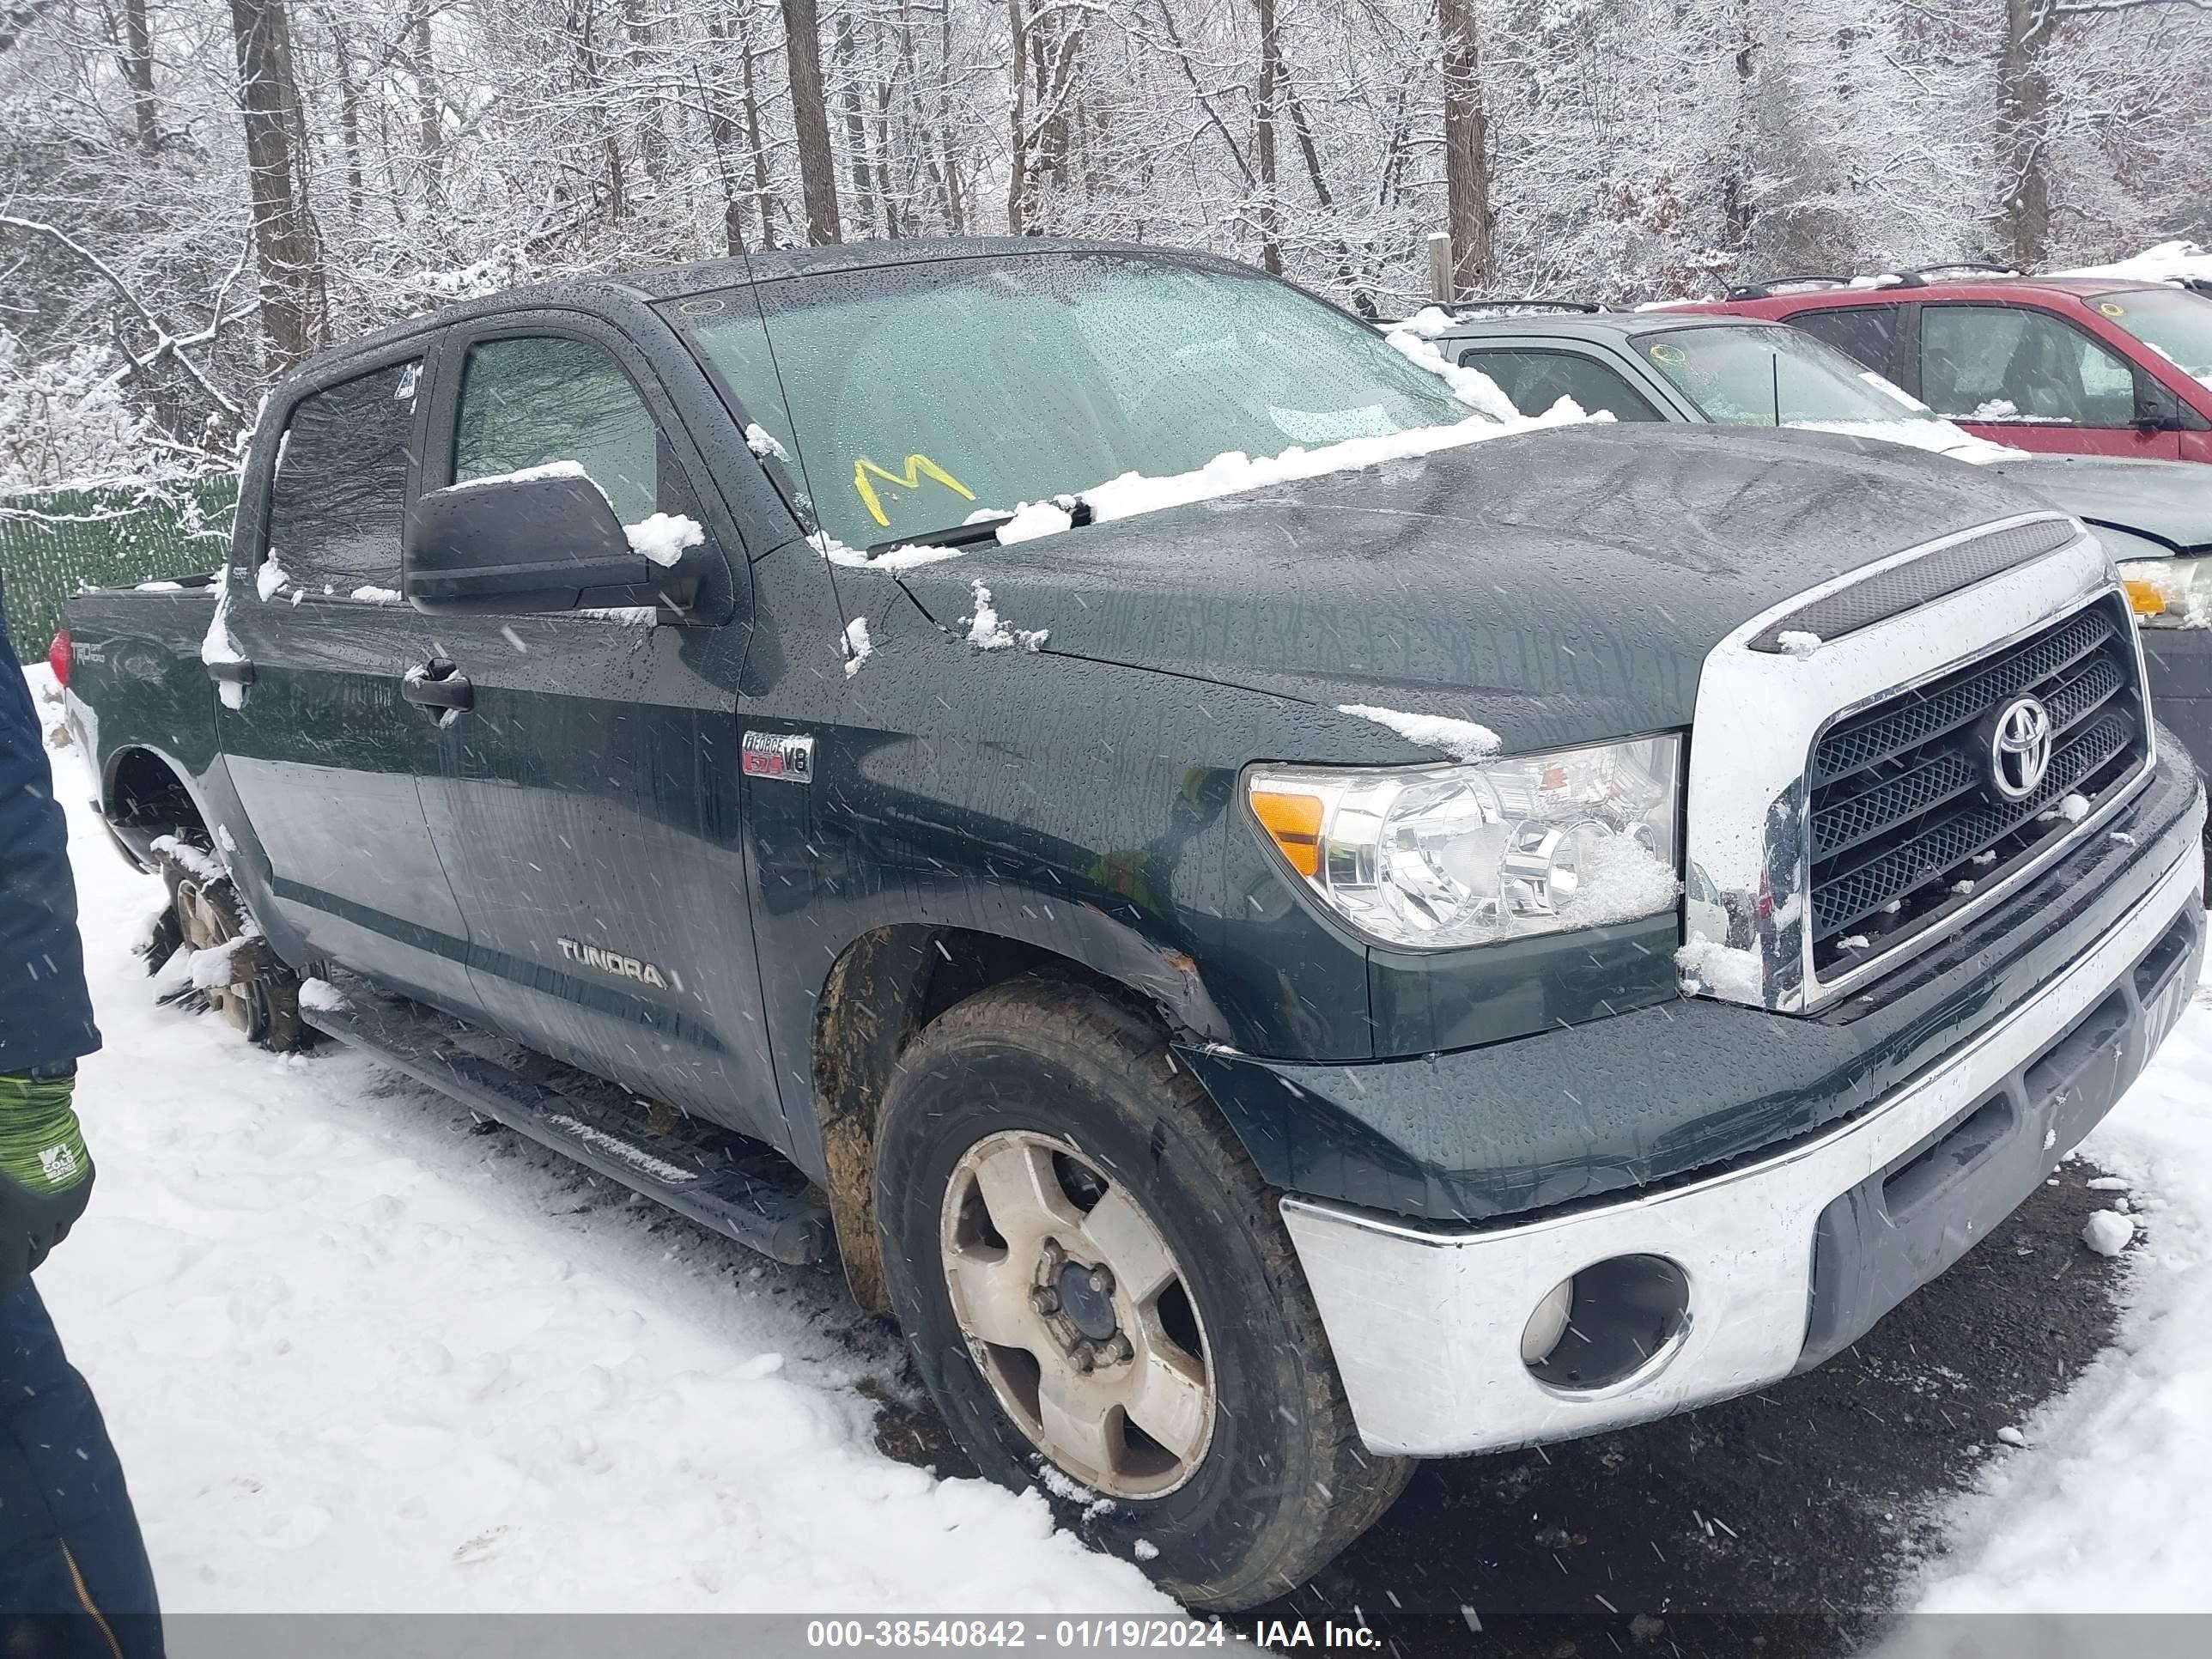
231 673
438 684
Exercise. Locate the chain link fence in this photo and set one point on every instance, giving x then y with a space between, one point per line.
54 542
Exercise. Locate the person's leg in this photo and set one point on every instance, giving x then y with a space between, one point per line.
69 1547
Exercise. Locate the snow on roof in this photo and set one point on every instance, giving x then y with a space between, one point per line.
2168 262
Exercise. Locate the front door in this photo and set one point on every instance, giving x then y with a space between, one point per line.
323 746
588 801
2020 375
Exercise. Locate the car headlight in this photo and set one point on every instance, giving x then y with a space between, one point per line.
1442 856
2170 592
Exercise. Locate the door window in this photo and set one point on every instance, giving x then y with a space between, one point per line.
341 487
2004 363
530 403
1535 381
1866 332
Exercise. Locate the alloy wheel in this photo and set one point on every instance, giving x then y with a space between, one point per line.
1076 1309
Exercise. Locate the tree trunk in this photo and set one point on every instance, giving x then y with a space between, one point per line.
953 210
856 127
763 195
810 116
1017 166
1263 119
2023 133
287 257
1739 212
722 136
138 71
429 125
652 131
1362 301
349 118
1466 147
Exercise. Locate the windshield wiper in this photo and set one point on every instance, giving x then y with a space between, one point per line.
981 530
954 535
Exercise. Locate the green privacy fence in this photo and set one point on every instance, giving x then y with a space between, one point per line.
54 542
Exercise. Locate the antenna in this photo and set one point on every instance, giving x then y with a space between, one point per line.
805 510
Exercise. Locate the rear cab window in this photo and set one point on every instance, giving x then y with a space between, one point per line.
340 489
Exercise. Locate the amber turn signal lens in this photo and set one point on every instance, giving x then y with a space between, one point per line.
1294 822
2144 598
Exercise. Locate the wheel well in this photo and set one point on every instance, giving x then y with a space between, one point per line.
883 989
146 799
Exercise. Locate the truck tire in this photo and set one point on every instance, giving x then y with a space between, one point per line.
262 1000
1183 1408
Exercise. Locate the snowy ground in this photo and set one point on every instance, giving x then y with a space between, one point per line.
2109 1507
358 1357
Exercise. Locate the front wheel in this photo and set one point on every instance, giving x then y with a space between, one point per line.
1099 1294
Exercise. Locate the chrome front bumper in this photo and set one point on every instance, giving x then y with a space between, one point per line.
1427 1326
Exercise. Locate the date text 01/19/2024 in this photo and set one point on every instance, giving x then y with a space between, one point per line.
1068 1635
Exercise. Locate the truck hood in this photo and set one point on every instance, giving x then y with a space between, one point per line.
2167 501
1558 586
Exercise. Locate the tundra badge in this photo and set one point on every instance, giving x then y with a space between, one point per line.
779 755
613 962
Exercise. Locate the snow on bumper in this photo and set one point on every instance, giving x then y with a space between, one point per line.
1427 1326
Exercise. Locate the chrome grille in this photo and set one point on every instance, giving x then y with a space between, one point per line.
1905 823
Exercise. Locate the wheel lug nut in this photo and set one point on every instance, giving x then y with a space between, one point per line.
1115 1349
1081 1357
1102 1280
1045 1299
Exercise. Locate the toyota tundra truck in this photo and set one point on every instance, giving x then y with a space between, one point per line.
1279 924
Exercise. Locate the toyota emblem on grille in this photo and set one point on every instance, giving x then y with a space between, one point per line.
2020 748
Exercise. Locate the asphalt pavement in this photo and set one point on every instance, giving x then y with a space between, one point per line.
1784 1524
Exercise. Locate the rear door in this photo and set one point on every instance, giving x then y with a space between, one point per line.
2021 375
1878 336
587 802
324 751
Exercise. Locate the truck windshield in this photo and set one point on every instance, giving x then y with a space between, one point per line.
915 398
1777 376
2172 322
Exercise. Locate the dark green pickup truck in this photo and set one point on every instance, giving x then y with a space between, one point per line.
1430 940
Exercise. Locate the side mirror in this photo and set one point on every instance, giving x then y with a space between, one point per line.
535 542
2156 409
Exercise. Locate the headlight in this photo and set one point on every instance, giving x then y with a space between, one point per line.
1443 856
2170 592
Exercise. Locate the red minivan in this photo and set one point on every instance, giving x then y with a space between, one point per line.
2078 365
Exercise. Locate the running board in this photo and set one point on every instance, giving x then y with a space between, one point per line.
722 1180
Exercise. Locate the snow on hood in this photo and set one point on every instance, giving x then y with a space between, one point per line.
1938 437
1556 586
2168 262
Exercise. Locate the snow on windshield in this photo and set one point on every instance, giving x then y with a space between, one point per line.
911 399
1766 376
1234 472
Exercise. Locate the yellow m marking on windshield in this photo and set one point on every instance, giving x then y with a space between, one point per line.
918 467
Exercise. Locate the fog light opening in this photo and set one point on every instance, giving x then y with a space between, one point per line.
1606 1323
